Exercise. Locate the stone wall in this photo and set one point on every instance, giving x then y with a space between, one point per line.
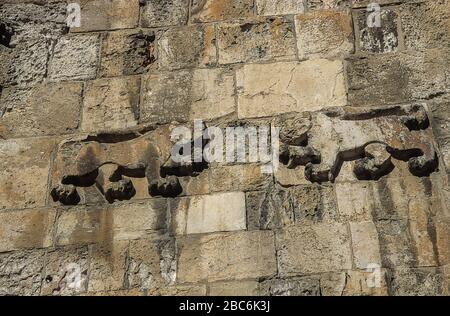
359 220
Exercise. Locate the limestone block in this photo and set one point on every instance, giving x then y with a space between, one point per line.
191 46
234 288
305 286
180 290
20 272
371 282
164 13
441 128
102 15
281 7
111 104
24 166
328 4
270 39
208 213
127 53
26 229
220 10
75 58
305 86
313 248
46 109
187 95
365 245
245 177
443 242
324 34
355 200
226 256
66 271
416 282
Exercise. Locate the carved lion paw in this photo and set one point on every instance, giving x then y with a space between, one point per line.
120 190
167 187
316 174
421 166
66 194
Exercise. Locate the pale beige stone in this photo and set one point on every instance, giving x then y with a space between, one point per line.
366 248
270 89
180 290
209 213
355 200
220 10
234 288
313 248
26 229
245 177
226 256
280 7
366 283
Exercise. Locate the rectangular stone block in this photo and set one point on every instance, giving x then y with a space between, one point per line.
270 89
187 47
417 282
46 109
355 201
127 53
366 248
208 213
245 177
75 57
280 7
234 288
159 13
324 34
24 165
26 229
102 15
180 290
305 286
248 255
269 39
111 104
187 95
221 10
313 249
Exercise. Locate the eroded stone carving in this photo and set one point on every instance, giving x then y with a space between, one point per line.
110 161
322 141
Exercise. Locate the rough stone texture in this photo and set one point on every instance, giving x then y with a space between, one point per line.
313 249
249 254
325 34
270 39
206 214
282 7
111 104
103 15
366 248
291 287
164 13
247 177
187 95
234 288
46 109
305 86
219 10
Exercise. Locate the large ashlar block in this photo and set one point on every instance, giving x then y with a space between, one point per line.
159 13
26 229
209 213
24 165
46 109
226 256
313 248
75 57
270 89
220 10
111 104
324 34
280 7
245 177
304 286
269 39
234 288
417 282
366 248
187 95
355 200
102 15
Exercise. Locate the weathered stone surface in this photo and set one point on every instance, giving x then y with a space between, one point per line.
328 4
281 7
103 15
416 282
246 177
111 104
20 272
191 46
127 53
66 271
443 242
279 207
234 288
107 266
26 229
306 286
180 290
371 282
365 245
305 86
164 13
355 201
210 213
326 34
270 39
313 248
384 38
441 128
219 10
24 166
46 109
187 95
249 255
152 265
75 57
